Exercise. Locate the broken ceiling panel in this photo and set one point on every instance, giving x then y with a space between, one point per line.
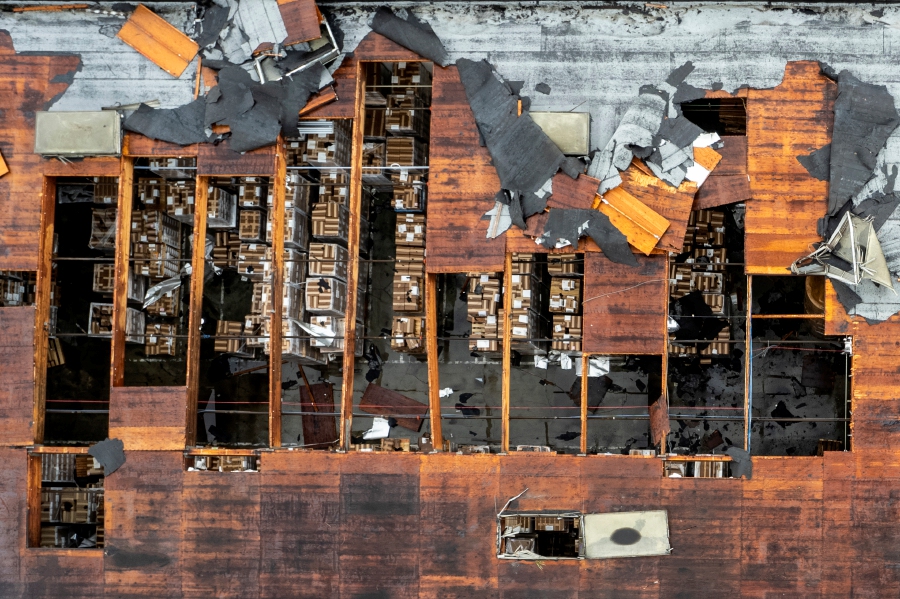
412 34
151 35
524 157
864 118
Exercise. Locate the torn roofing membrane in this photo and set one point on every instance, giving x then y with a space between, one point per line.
565 226
183 125
412 34
524 157
864 118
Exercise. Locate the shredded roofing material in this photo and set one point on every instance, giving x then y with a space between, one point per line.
183 125
410 33
565 227
525 158
817 163
110 453
864 118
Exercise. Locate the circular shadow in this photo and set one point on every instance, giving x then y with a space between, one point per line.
625 536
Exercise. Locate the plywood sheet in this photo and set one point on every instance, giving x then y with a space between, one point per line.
152 36
625 307
143 555
44 77
673 204
13 484
16 375
461 186
220 160
719 190
641 226
301 20
148 418
385 402
318 430
794 118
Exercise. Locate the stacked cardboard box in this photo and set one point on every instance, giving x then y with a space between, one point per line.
253 192
103 229
333 344
523 325
565 295
294 271
410 260
152 226
407 334
294 342
296 229
251 260
255 330
226 249
330 222
373 126
159 339
221 209
410 230
180 200
704 270
106 190
149 192
12 289
291 301
297 194
230 338
405 115
331 149
408 191
567 333
405 151
293 151
156 260
105 281
55 356
412 77
482 306
328 260
100 322
326 295
563 264
334 186
525 320
407 293
167 305
252 226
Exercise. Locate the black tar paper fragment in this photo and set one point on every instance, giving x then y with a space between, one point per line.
677 76
516 212
742 464
569 224
817 163
412 34
183 125
525 158
688 93
864 117
231 98
110 453
516 86
880 207
678 131
572 166
542 88
213 22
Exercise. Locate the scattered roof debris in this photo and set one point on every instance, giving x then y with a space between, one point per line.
542 88
151 35
525 158
641 226
411 33
261 22
864 118
565 226
182 125
3 168
660 427
817 163
110 453
741 464
852 254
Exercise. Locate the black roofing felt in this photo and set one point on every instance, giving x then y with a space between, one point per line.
742 463
817 163
412 34
183 125
880 207
847 296
679 131
211 25
864 117
110 453
542 88
567 224
524 157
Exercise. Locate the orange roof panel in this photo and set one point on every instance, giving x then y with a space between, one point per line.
154 37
